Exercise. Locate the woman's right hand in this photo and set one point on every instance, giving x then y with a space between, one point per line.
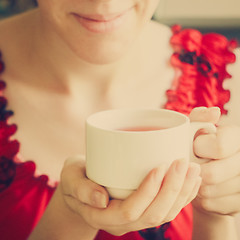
158 200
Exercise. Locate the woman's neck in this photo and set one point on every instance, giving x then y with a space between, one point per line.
51 67
67 70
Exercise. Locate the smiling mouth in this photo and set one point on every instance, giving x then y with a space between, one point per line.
102 23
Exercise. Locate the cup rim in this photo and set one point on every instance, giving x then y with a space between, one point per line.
93 119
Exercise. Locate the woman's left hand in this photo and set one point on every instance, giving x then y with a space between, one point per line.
220 167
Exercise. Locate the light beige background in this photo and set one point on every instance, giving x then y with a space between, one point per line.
200 12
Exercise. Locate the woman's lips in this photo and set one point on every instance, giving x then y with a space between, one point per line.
101 23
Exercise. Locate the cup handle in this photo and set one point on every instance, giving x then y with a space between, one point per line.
194 128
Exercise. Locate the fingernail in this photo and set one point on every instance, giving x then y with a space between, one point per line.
205 192
159 173
99 199
193 171
181 166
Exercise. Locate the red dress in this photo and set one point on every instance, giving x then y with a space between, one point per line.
24 195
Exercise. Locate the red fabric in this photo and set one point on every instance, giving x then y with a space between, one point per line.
181 226
129 236
23 202
200 62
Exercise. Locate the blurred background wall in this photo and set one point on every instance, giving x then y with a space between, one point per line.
11 7
222 16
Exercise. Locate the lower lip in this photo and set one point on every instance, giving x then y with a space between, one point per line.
98 26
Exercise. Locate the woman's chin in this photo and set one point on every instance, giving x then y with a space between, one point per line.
104 56
102 59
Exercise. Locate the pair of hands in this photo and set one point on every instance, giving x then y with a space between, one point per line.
162 195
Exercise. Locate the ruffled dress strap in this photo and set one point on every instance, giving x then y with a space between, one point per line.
8 147
24 195
200 61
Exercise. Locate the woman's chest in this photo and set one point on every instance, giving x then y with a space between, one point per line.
51 127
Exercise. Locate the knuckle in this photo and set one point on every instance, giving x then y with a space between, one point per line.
174 190
210 175
68 162
154 221
171 217
224 211
185 192
220 150
129 216
93 221
118 232
205 192
175 187
77 193
206 205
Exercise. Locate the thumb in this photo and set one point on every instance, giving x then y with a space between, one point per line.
75 184
203 114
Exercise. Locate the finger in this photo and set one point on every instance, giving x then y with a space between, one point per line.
83 210
172 185
106 219
134 206
215 172
75 183
203 114
131 209
195 190
227 205
223 144
226 188
188 192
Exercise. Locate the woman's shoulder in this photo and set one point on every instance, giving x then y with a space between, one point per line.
13 30
159 36
11 26
160 32
15 38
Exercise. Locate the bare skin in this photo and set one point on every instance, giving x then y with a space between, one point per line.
61 99
61 90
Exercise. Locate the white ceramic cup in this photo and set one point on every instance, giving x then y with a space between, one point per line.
119 159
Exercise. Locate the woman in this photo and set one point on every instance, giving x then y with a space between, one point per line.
68 59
